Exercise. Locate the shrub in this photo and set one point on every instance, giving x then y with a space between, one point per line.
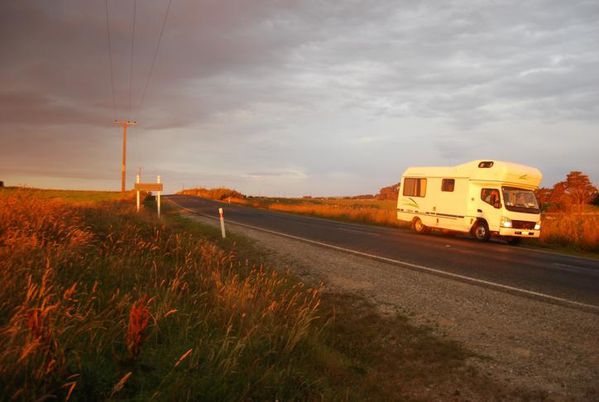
219 193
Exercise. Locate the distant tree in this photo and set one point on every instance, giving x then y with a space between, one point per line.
557 198
388 193
543 195
580 189
576 191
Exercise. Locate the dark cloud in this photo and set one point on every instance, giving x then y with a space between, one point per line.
302 96
35 109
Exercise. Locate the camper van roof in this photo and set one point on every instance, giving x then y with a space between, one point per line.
485 170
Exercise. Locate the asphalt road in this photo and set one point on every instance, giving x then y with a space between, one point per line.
535 271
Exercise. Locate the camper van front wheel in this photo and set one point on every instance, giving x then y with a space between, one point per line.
418 226
481 231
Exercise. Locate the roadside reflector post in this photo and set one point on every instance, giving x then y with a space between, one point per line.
222 223
137 178
158 196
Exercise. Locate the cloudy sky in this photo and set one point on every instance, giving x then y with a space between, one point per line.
294 97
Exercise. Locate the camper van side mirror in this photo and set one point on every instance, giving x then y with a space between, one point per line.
497 205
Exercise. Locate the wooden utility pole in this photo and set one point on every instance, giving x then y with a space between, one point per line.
124 124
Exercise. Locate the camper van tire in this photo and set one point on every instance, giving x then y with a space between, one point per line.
418 226
481 231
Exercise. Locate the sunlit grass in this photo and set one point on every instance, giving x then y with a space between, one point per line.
353 210
72 195
571 230
98 302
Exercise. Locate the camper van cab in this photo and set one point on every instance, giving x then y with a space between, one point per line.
485 198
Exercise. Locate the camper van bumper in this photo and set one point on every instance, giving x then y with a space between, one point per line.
509 232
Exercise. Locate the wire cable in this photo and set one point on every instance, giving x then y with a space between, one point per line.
143 94
132 52
110 58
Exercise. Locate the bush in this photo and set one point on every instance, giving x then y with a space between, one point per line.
219 193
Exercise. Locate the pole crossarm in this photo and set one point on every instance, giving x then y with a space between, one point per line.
124 123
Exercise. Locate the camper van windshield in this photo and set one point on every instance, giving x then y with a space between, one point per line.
520 200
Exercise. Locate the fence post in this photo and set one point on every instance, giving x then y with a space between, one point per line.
158 199
137 178
222 223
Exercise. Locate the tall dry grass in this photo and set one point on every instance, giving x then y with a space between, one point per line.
354 210
360 214
571 230
97 302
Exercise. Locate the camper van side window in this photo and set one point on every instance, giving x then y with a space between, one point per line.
447 185
490 196
414 187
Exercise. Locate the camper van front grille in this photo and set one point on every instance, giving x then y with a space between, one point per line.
523 225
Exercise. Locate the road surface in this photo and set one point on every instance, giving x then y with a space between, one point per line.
551 276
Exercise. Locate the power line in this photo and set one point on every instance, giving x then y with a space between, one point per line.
128 123
132 52
143 94
110 58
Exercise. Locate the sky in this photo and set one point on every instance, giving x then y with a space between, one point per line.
294 98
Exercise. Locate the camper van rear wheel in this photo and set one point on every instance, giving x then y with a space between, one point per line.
481 231
418 226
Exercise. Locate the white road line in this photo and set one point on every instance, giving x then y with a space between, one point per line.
537 295
581 257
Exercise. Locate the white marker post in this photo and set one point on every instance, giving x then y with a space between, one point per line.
158 198
222 223
137 181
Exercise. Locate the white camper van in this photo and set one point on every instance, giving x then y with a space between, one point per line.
484 198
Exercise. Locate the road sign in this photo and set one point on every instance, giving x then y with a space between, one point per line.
157 187
149 186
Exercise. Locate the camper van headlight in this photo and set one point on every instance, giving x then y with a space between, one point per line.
506 222
538 226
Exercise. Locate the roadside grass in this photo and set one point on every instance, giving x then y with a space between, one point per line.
369 211
98 302
72 195
569 232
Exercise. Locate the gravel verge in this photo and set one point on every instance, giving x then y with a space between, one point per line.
526 344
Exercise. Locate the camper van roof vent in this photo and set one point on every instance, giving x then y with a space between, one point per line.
485 164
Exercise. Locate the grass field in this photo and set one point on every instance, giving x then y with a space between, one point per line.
70 195
571 230
98 302
372 211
